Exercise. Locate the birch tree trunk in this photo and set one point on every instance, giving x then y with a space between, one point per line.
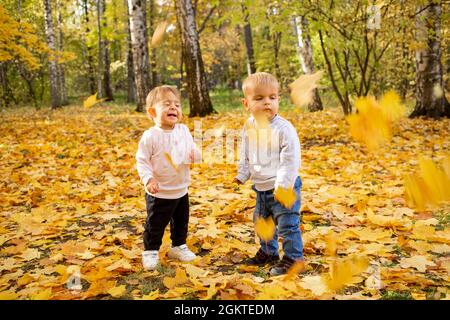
131 85
61 73
100 74
251 64
90 60
430 97
139 41
103 81
52 65
305 52
199 101
151 21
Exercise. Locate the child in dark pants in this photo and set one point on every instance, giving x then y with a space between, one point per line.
164 154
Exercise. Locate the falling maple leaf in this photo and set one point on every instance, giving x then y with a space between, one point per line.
330 243
297 267
302 89
159 33
285 196
91 101
372 124
265 228
343 271
428 187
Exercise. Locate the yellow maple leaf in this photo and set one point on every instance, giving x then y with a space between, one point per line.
285 196
302 89
180 278
391 106
91 101
42 295
265 228
330 243
169 159
315 284
117 292
152 295
195 272
372 124
418 262
343 271
6 295
158 34
30 254
428 187
297 267
436 180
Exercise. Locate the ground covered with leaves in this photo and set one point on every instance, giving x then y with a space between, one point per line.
72 212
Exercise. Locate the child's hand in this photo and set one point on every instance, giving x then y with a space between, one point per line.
152 186
236 180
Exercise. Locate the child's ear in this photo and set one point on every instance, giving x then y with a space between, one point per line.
152 112
245 103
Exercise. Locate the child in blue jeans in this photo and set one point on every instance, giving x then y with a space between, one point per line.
270 157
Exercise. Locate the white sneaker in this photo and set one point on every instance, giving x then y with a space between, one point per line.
150 259
181 253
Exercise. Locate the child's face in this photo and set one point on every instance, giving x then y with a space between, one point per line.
167 111
262 100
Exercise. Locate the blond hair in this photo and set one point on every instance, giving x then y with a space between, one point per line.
158 93
259 78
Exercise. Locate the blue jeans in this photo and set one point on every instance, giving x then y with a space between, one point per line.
287 222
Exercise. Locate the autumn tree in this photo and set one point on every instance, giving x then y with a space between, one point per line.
199 100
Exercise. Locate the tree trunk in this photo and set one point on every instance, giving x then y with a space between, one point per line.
276 42
52 65
131 85
251 62
7 95
139 43
305 52
61 73
90 60
199 101
430 97
151 21
103 81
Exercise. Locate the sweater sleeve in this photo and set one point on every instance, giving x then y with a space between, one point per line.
143 156
290 158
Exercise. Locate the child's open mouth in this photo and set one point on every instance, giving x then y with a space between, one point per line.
172 115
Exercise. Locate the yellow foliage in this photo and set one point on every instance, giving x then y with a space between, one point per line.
265 228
